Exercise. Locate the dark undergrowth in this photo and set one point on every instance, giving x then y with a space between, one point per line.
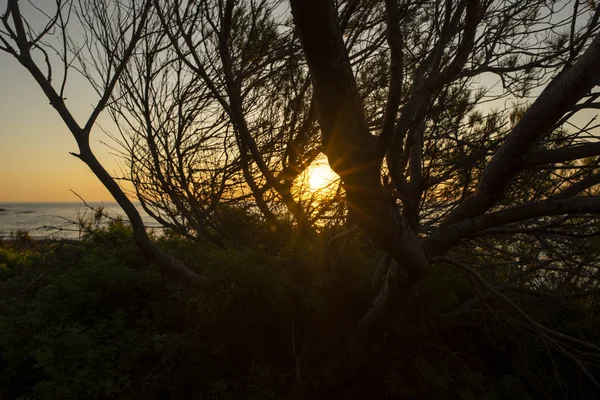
96 320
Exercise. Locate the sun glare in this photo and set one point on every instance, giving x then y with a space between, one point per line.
320 176
316 183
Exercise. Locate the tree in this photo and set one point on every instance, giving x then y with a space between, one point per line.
217 102
224 87
461 44
115 30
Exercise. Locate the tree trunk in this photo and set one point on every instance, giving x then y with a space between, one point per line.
354 155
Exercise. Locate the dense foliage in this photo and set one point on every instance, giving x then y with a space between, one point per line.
96 320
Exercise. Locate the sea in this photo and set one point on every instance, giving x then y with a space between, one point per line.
58 220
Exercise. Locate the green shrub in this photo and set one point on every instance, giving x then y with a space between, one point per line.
97 320
81 334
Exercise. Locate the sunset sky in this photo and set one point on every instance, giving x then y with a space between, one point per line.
35 164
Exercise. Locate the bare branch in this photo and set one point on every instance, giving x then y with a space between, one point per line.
450 235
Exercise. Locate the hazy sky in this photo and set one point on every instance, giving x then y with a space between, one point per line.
35 164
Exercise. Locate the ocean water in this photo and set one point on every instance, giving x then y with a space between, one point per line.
55 220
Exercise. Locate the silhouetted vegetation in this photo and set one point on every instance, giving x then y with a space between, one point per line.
97 320
456 256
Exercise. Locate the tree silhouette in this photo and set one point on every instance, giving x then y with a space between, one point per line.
225 103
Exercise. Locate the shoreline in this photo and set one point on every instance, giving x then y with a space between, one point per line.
36 243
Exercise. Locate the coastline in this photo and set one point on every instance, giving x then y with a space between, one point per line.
33 243
56 220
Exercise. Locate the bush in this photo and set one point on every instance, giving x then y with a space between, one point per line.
81 333
97 320
22 240
108 324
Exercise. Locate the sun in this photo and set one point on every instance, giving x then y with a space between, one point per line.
317 182
320 176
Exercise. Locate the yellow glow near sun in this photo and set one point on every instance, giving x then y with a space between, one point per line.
320 176
317 183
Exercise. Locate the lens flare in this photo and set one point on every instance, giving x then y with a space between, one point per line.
320 176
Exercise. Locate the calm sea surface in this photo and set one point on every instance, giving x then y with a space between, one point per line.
55 220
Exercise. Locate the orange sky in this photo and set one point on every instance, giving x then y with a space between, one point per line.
35 164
